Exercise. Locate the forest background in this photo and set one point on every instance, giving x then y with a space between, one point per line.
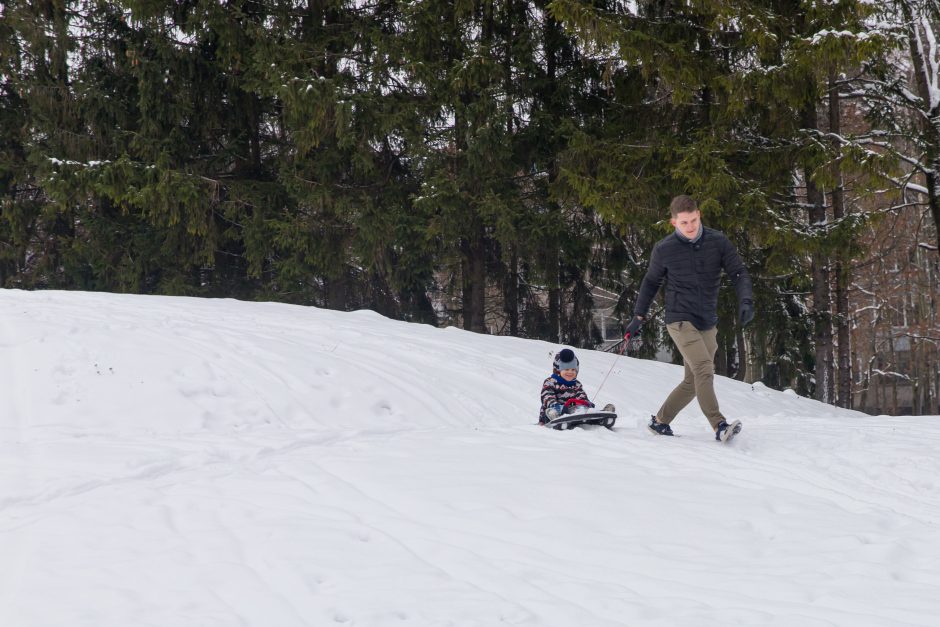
502 165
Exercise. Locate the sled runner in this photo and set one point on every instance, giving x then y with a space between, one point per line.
584 417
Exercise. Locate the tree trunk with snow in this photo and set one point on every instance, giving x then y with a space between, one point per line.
822 295
843 343
919 20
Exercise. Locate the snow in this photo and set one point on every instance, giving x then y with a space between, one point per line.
90 164
928 52
178 462
824 34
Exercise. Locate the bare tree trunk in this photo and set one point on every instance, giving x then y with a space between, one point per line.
512 291
473 245
925 76
894 396
741 374
843 338
478 282
932 188
512 285
551 33
554 308
843 343
473 281
822 296
465 289
866 389
893 360
936 393
723 356
915 379
822 303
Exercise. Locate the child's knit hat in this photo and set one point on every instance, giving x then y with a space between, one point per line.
564 360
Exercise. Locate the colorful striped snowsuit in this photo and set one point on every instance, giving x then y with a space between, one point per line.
557 391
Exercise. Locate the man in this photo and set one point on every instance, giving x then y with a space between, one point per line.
690 262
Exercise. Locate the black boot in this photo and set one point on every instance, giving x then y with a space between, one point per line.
659 428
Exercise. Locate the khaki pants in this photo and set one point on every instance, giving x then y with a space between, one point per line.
698 353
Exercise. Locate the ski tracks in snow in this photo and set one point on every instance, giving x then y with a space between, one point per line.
177 462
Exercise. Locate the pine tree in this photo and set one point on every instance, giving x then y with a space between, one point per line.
919 19
349 235
39 112
19 197
500 82
733 91
243 150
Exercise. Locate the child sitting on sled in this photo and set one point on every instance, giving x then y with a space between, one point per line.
562 392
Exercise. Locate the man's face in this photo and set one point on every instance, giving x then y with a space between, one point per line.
688 223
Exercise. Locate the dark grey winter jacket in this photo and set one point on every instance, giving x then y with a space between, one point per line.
692 273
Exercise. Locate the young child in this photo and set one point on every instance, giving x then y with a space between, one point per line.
562 387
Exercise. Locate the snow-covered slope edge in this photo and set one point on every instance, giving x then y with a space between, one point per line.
169 365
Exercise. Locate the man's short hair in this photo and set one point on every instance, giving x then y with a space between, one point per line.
682 204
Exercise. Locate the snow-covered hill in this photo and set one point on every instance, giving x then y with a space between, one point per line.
183 462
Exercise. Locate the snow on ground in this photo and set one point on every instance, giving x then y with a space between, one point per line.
176 462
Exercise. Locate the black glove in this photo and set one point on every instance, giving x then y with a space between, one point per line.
633 328
746 312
